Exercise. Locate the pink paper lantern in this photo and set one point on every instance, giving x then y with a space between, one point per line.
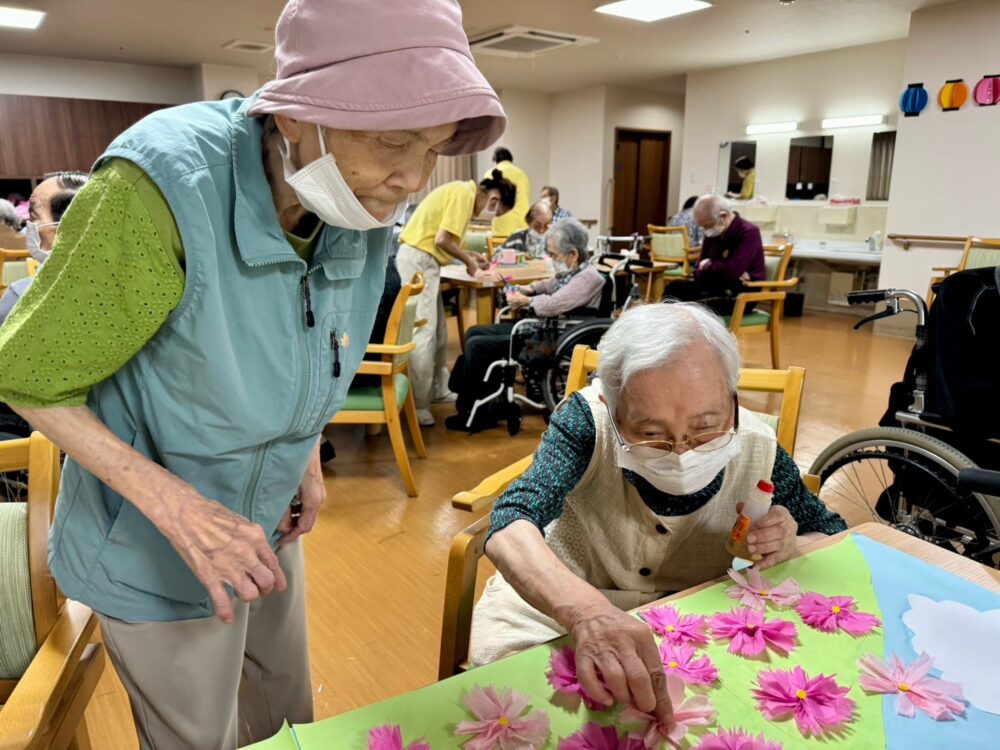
987 91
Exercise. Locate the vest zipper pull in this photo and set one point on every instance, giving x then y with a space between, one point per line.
310 318
335 345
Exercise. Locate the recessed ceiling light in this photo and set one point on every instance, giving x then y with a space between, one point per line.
652 10
19 18
854 121
772 127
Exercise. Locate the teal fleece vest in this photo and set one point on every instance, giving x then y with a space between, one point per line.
233 390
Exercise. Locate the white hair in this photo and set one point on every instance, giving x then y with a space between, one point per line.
714 205
650 336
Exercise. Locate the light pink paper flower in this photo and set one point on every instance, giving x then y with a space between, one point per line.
562 676
691 712
755 591
818 704
390 737
749 633
674 627
595 737
939 699
736 740
679 659
833 613
499 724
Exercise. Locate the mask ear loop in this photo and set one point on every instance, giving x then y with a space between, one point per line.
322 140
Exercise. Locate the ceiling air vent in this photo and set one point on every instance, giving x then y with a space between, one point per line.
520 41
243 46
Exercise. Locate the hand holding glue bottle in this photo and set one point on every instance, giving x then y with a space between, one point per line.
751 510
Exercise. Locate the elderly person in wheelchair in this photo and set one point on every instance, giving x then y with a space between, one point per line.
575 288
630 496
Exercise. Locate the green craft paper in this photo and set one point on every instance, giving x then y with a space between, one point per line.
433 712
283 740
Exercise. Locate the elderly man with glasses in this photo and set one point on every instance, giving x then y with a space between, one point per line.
630 496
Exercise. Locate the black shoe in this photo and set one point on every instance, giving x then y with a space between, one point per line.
326 451
458 422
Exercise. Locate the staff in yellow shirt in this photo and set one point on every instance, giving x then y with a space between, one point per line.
432 238
513 220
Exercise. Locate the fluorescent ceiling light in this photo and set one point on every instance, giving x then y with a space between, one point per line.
652 10
772 127
853 121
18 18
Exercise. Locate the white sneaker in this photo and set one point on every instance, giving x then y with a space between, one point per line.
425 418
444 397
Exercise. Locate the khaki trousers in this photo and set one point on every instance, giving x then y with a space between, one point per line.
203 685
429 359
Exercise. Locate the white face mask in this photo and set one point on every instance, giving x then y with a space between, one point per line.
34 241
716 230
547 202
685 473
559 266
321 189
489 211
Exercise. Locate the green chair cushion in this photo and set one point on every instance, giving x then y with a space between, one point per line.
771 263
475 242
674 271
14 270
369 397
17 623
755 318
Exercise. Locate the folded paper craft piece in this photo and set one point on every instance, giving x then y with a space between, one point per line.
684 662
735 740
755 591
499 723
690 712
562 677
595 737
818 704
912 685
390 737
749 633
667 622
834 613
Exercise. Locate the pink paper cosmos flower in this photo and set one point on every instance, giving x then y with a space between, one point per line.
562 677
675 627
939 699
595 737
736 740
679 659
749 633
818 704
499 724
833 613
755 591
389 737
691 712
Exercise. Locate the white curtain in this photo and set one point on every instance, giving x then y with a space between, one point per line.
447 169
880 169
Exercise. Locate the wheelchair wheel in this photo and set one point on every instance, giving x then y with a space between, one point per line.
554 380
513 419
909 480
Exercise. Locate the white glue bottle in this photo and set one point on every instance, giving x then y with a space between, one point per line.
755 506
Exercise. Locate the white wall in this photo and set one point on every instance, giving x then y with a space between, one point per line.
30 75
212 80
643 110
947 164
576 149
720 103
527 135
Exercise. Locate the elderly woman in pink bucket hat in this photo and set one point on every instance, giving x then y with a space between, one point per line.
216 282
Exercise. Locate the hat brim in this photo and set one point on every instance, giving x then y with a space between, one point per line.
400 90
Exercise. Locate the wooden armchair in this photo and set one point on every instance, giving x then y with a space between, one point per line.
382 403
49 667
672 244
772 291
977 253
493 244
468 546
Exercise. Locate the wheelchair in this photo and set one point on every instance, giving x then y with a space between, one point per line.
917 472
544 378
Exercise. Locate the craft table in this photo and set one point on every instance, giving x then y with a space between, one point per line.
483 286
895 576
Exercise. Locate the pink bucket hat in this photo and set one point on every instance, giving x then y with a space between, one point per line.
381 65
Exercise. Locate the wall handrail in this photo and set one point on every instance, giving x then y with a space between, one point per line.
906 239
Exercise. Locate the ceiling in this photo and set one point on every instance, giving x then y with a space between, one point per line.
655 56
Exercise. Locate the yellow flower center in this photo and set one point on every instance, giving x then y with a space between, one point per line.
670 628
765 592
751 626
503 721
672 664
800 694
835 609
904 687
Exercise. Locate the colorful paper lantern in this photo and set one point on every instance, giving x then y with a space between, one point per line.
987 91
913 100
953 95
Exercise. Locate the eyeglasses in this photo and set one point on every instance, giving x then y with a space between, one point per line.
704 442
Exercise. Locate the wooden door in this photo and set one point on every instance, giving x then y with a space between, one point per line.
642 171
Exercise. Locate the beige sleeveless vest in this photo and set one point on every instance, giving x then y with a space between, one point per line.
610 538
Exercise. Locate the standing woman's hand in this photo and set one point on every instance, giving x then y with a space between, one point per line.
300 518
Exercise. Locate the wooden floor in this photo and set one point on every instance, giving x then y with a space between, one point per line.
376 560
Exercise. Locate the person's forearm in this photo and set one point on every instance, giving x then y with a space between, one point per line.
450 247
528 564
89 442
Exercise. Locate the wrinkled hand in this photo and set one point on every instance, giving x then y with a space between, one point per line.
300 518
620 649
703 262
745 276
774 537
223 547
474 262
517 300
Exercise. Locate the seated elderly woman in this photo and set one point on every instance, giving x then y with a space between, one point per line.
630 496
576 286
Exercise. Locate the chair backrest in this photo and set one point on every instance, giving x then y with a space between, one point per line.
30 607
787 382
980 253
668 243
403 316
776 261
492 243
477 242
32 266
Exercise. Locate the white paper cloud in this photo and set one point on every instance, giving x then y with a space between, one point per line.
964 644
